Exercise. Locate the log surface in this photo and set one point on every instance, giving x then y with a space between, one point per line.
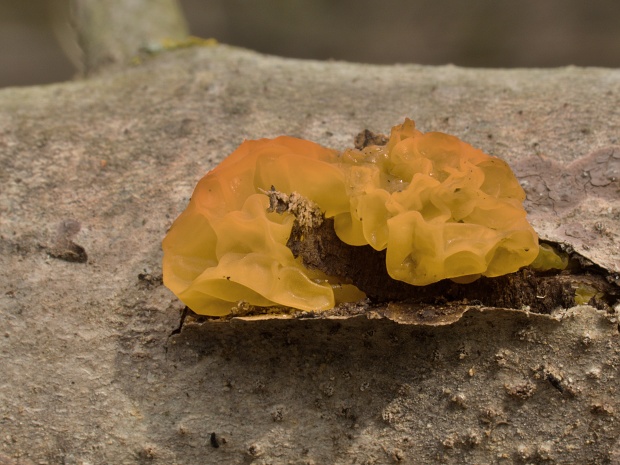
93 173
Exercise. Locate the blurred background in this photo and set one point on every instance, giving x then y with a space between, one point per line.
479 33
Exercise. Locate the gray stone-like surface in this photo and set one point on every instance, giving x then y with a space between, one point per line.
90 373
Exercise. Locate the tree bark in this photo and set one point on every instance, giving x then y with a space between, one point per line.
96 368
113 32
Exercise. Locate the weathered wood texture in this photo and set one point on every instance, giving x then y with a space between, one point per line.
90 372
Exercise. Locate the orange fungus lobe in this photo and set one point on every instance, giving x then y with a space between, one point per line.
439 207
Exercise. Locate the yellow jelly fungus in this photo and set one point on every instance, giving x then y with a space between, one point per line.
440 207
549 259
584 293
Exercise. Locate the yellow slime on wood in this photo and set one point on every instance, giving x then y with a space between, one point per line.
440 207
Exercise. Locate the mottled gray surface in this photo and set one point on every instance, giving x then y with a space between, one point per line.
90 373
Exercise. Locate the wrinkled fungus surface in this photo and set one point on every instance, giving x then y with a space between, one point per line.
439 207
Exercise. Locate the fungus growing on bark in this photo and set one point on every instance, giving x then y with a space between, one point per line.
434 206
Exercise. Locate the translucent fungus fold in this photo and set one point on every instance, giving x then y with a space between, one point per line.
440 209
